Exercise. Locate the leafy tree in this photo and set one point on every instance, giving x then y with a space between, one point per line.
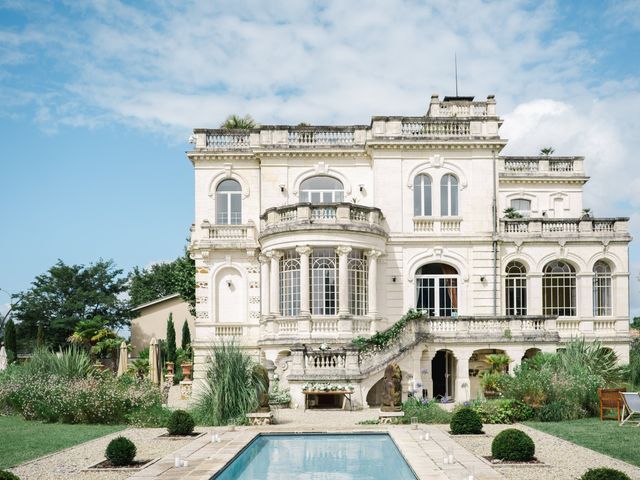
547 151
162 279
171 340
40 337
636 323
68 294
238 122
11 341
186 338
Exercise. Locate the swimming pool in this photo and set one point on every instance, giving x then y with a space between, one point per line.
367 456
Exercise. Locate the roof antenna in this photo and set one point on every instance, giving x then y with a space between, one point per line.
455 60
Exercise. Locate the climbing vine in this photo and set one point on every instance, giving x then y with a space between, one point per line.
388 336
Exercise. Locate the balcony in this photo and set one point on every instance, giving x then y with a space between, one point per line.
444 225
570 227
225 236
318 329
541 166
326 216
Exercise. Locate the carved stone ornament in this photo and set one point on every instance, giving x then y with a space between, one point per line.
392 394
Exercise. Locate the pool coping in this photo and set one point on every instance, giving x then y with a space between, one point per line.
424 458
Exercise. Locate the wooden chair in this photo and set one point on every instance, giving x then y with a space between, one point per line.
610 399
630 405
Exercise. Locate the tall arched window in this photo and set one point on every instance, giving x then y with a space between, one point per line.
323 266
290 284
559 289
602 289
516 289
321 189
229 202
422 196
437 290
449 196
358 288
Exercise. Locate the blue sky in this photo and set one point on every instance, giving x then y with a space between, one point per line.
99 97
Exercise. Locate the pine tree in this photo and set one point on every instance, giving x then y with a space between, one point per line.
186 338
40 337
171 339
11 341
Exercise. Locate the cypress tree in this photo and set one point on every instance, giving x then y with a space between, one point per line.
11 341
40 336
186 338
171 340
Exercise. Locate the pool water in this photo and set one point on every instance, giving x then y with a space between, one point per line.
319 456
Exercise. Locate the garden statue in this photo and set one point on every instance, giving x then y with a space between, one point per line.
262 388
392 394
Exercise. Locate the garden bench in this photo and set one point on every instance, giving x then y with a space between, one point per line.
631 405
610 400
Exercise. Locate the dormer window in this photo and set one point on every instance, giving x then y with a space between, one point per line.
322 189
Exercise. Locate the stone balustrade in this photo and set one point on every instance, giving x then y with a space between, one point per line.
304 216
540 165
569 227
277 329
226 236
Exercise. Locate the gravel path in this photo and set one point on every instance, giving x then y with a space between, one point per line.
567 460
68 464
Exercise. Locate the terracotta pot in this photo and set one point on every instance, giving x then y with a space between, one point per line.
186 370
170 367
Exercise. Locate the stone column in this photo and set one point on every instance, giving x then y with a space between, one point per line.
427 377
304 253
343 279
372 257
534 294
274 303
462 384
264 284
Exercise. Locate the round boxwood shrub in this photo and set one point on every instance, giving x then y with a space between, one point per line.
180 423
513 445
120 451
4 475
604 474
465 421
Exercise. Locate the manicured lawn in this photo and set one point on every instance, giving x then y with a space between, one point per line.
605 437
21 440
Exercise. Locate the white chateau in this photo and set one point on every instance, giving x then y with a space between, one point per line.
310 236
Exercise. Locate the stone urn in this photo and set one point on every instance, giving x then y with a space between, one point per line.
186 370
392 394
170 368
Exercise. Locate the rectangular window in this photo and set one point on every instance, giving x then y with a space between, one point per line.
602 296
358 288
516 298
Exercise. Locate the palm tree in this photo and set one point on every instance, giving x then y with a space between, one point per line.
236 122
547 151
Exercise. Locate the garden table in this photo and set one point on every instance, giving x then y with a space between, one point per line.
345 393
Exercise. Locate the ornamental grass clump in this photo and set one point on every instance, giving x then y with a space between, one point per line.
425 411
513 445
120 452
466 421
604 474
231 387
180 423
4 475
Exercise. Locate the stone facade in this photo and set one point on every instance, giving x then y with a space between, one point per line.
307 237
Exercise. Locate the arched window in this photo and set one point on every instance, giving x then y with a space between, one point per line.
321 189
323 266
229 202
449 196
358 288
559 289
602 289
522 206
437 290
290 284
422 196
516 289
